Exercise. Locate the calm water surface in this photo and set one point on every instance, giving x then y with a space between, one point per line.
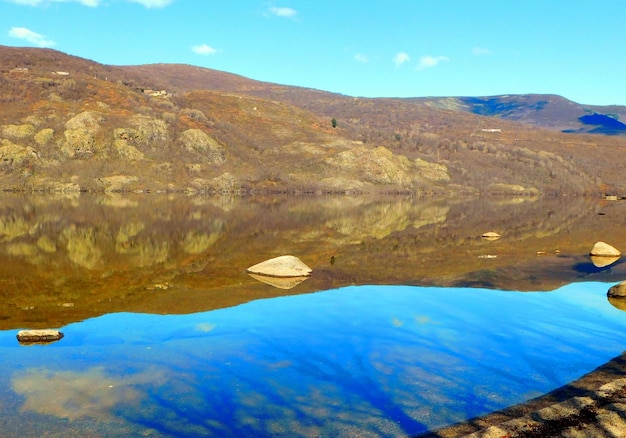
166 334
354 361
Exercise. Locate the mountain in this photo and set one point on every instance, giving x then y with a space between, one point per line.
540 110
69 124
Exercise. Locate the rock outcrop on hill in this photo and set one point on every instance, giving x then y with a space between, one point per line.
207 131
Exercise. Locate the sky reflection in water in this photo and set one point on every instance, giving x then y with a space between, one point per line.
379 360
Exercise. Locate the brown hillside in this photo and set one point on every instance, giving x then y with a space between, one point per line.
440 131
67 123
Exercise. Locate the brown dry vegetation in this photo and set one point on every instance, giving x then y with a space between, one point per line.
105 253
256 136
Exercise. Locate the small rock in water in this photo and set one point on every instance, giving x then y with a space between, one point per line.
603 261
618 303
604 249
283 266
279 282
619 290
491 235
39 336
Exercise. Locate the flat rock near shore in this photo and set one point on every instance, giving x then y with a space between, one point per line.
39 336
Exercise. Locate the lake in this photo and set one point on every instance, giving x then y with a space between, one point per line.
410 322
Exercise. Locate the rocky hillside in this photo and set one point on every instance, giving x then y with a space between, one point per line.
70 124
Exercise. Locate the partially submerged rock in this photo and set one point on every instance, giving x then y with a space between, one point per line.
603 261
604 249
283 266
618 291
618 302
279 282
38 336
491 235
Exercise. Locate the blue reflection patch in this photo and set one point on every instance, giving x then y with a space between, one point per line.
384 360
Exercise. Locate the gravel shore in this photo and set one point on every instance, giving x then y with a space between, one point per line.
592 406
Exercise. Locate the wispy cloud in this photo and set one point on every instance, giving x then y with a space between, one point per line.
153 3
32 37
479 51
203 49
26 2
93 3
76 395
283 12
90 3
205 327
361 58
426 62
401 58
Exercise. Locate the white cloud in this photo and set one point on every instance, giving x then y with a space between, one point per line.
431 61
153 3
401 58
361 58
205 327
283 12
28 2
90 3
203 49
90 393
93 3
481 51
32 37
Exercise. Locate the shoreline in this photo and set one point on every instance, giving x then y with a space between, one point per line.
594 405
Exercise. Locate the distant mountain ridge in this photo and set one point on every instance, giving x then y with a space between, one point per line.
70 124
541 110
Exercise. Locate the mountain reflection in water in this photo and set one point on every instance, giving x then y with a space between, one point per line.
65 259
355 361
167 335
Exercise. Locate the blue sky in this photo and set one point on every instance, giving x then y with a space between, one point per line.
394 48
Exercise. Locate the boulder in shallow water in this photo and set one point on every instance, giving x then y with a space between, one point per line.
619 290
38 336
491 235
283 266
279 282
603 261
618 303
605 250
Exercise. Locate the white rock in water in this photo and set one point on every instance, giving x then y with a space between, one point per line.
279 282
39 335
491 235
283 266
604 249
603 261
